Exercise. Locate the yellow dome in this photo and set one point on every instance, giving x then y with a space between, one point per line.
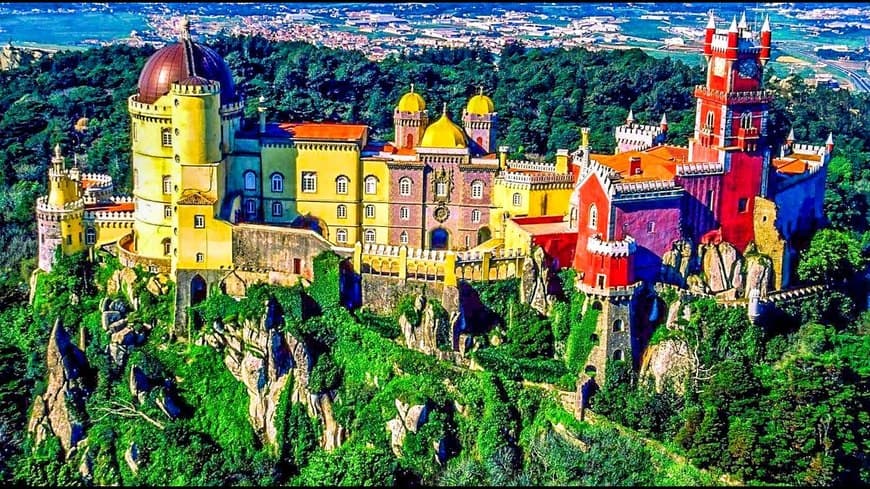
480 104
411 102
443 133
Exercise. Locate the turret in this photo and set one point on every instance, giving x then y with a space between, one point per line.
664 124
502 157
479 120
59 215
764 55
630 119
261 110
829 144
410 120
708 36
789 140
731 53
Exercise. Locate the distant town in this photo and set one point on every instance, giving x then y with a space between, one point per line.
827 43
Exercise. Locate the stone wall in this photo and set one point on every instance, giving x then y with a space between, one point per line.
382 294
276 249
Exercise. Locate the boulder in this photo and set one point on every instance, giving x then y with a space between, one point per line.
676 262
759 275
717 264
535 280
423 336
668 361
408 419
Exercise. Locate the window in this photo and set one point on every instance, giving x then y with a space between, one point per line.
371 184
404 213
601 279
69 239
370 236
166 136
710 117
746 120
341 235
250 206
277 182
477 189
167 211
403 238
742 205
341 184
441 189
277 209
475 215
309 181
341 211
369 211
90 236
199 221
297 266
572 217
517 199
167 246
710 195
618 325
167 184
618 355
405 186
200 257
651 227
593 217
250 180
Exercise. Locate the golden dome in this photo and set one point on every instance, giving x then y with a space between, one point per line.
443 133
411 102
480 104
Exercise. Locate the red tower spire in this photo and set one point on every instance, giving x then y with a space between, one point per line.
708 36
731 53
764 56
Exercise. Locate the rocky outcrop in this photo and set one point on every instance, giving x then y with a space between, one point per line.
423 335
123 280
719 261
668 362
122 334
759 275
158 284
333 433
59 411
535 281
409 419
678 262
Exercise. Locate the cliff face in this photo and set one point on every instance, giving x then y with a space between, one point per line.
266 361
59 411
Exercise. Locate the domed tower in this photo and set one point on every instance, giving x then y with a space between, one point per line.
184 119
410 119
59 214
443 134
479 119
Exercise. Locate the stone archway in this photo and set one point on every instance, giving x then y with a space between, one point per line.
483 235
439 239
198 290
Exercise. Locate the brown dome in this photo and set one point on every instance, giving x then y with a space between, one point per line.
182 61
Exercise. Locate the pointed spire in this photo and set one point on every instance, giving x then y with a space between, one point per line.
57 150
711 22
444 109
412 88
733 27
664 121
766 26
790 135
480 90
630 118
830 140
743 24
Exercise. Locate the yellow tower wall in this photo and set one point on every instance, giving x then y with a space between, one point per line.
196 125
214 240
278 158
329 161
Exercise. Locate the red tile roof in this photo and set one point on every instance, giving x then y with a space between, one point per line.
657 163
790 166
330 131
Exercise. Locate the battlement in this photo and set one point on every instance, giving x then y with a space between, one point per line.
108 215
148 109
522 178
637 131
202 87
42 205
699 169
622 291
645 186
531 165
749 97
624 247
812 149
745 44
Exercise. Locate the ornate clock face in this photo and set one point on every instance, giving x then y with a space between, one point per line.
747 68
719 66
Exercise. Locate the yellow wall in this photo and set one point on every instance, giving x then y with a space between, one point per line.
329 164
280 159
73 234
531 203
380 200
214 240
516 238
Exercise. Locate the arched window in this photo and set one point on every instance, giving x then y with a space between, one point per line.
593 216
341 211
710 117
277 209
90 236
618 325
572 218
309 181
277 182
167 183
517 199
250 180
475 215
200 257
405 186
167 246
370 211
371 184
341 184
618 355
250 207
746 120
404 213
403 238
341 235
477 189
369 236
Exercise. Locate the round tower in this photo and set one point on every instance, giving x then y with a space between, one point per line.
59 215
184 119
410 120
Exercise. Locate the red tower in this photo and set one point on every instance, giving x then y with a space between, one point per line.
731 124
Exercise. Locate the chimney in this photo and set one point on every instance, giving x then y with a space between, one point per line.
502 157
561 161
634 166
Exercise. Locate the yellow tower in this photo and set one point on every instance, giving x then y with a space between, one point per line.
59 214
184 118
410 120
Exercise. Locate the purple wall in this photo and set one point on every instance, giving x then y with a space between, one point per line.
633 218
698 218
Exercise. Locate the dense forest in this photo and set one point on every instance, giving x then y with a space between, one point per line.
785 401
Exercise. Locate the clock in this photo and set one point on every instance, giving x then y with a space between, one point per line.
747 68
719 66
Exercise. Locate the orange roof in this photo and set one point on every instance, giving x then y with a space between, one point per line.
657 163
406 151
790 166
86 183
336 131
112 207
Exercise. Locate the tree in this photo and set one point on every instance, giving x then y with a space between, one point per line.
832 256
